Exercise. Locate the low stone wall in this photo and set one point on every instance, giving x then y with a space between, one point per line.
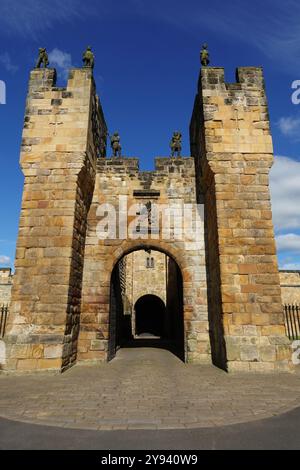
290 287
6 279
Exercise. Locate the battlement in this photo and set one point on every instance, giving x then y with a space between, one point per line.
173 164
247 91
44 79
79 218
168 172
62 119
213 78
6 275
118 164
163 165
233 116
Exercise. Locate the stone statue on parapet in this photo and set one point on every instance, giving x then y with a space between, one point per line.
88 58
42 59
204 55
115 144
103 144
175 144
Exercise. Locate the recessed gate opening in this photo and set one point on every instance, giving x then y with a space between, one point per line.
150 315
146 303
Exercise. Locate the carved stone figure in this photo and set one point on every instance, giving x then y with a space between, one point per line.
204 55
102 147
115 144
42 59
175 144
88 58
103 143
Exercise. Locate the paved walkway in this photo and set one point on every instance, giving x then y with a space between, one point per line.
146 389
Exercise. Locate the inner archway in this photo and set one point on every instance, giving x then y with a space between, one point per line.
150 316
146 303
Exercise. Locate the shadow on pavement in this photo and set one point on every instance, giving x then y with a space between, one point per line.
280 432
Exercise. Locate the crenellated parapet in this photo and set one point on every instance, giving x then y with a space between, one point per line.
235 114
62 119
163 165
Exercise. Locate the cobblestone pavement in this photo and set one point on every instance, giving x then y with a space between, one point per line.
146 389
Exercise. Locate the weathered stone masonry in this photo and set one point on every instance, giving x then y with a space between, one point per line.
61 298
290 287
234 158
172 181
58 159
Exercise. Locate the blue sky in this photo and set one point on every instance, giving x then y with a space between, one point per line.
147 65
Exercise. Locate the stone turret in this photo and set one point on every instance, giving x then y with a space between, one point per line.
232 145
59 151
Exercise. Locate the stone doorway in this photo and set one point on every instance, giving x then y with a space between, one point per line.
146 303
150 317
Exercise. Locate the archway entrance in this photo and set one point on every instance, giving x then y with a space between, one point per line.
150 317
146 303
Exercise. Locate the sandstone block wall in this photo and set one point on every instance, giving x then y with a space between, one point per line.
290 287
62 290
58 159
231 141
6 280
143 279
172 181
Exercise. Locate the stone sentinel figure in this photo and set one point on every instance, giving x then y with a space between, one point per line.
103 144
175 144
42 59
88 58
115 144
204 55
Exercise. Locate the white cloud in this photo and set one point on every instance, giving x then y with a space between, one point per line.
285 193
4 260
6 61
60 60
288 242
32 16
290 127
291 266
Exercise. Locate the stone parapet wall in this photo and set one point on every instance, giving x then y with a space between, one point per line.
58 159
6 280
290 287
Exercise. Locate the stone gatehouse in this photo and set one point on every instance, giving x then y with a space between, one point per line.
78 297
